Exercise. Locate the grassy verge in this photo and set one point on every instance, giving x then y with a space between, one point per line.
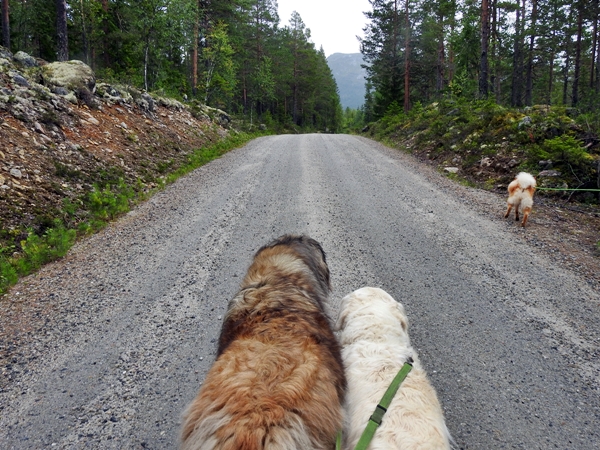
91 212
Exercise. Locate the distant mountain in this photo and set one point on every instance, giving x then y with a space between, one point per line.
350 78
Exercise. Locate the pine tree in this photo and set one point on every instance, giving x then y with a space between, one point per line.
62 52
381 49
218 68
485 42
5 24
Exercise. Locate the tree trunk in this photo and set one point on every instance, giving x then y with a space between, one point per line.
61 30
566 71
532 36
597 84
5 25
86 50
146 62
551 74
594 43
406 60
485 42
517 75
439 83
495 76
451 54
105 49
575 99
195 53
295 87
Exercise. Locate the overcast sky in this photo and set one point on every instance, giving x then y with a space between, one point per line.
333 24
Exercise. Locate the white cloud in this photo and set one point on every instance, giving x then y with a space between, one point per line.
333 24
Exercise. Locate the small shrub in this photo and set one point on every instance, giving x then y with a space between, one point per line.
64 171
51 118
105 204
35 250
568 151
8 274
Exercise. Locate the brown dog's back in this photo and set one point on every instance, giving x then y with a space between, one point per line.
278 381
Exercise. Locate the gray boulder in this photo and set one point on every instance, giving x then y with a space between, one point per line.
5 53
20 79
72 75
146 102
525 122
549 173
59 90
25 59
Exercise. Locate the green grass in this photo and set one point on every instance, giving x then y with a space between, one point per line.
92 212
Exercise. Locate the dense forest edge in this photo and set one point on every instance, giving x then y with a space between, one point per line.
232 55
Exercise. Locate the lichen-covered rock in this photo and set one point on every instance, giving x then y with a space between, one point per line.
72 75
25 59
113 94
170 103
146 102
525 122
19 79
5 53
549 173
218 116
71 98
59 90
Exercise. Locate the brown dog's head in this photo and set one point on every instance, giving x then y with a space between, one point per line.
309 251
288 273
291 259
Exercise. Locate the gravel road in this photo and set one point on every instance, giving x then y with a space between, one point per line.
104 349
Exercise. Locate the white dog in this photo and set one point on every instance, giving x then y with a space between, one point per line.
520 192
375 345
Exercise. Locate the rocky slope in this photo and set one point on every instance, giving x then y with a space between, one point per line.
62 132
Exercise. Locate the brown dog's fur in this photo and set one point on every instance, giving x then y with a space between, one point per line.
278 381
520 193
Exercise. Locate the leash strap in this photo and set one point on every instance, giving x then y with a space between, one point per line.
381 408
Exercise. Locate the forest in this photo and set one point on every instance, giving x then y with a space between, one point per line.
237 55
231 54
516 53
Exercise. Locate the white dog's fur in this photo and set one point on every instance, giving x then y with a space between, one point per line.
520 192
375 345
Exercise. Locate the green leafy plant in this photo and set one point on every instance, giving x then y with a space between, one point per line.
8 274
105 204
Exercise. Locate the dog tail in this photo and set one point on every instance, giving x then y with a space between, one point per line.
525 180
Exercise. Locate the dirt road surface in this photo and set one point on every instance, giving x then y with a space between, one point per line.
105 348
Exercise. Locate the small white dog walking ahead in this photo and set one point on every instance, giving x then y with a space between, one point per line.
520 192
375 345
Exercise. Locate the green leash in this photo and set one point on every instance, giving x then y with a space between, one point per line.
381 408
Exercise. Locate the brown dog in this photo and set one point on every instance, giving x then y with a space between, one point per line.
520 192
278 381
